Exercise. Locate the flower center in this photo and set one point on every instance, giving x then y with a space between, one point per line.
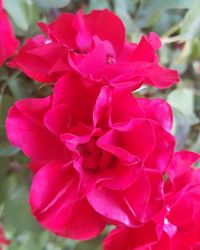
169 228
94 158
111 60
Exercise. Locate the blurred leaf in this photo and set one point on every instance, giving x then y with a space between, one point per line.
17 212
196 145
164 54
3 74
150 10
59 243
184 54
95 244
181 128
29 241
96 4
20 88
23 13
122 9
191 22
7 150
168 20
4 161
179 59
183 100
13 174
7 182
6 102
195 51
50 4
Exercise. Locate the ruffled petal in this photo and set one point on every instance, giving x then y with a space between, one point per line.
145 196
111 204
60 118
77 91
128 141
8 41
126 110
41 60
158 110
96 22
163 151
143 52
132 75
57 203
58 32
128 238
134 205
90 63
26 131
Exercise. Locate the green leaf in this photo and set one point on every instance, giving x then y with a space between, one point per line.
4 161
95 244
195 51
17 212
6 102
168 20
29 241
23 13
181 128
20 88
191 22
7 150
122 9
196 145
96 4
182 99
150 10
50 4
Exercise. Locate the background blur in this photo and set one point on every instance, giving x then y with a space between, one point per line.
178 24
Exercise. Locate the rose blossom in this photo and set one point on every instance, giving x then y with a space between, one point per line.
183 199
8 41
177 227
94 45
93 162
3 240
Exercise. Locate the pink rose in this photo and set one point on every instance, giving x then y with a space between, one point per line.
3 239
8 41
183 200
94 45
89 155
177 227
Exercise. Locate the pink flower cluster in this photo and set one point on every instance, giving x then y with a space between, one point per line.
99 155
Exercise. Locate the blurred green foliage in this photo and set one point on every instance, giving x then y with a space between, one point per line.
178 24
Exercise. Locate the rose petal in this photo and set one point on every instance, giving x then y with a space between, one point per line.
8 41
111 205
30 134
56 203
129 142
40 61
145 196
75 95
127 238
96 22
161 156
58 32
158 110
